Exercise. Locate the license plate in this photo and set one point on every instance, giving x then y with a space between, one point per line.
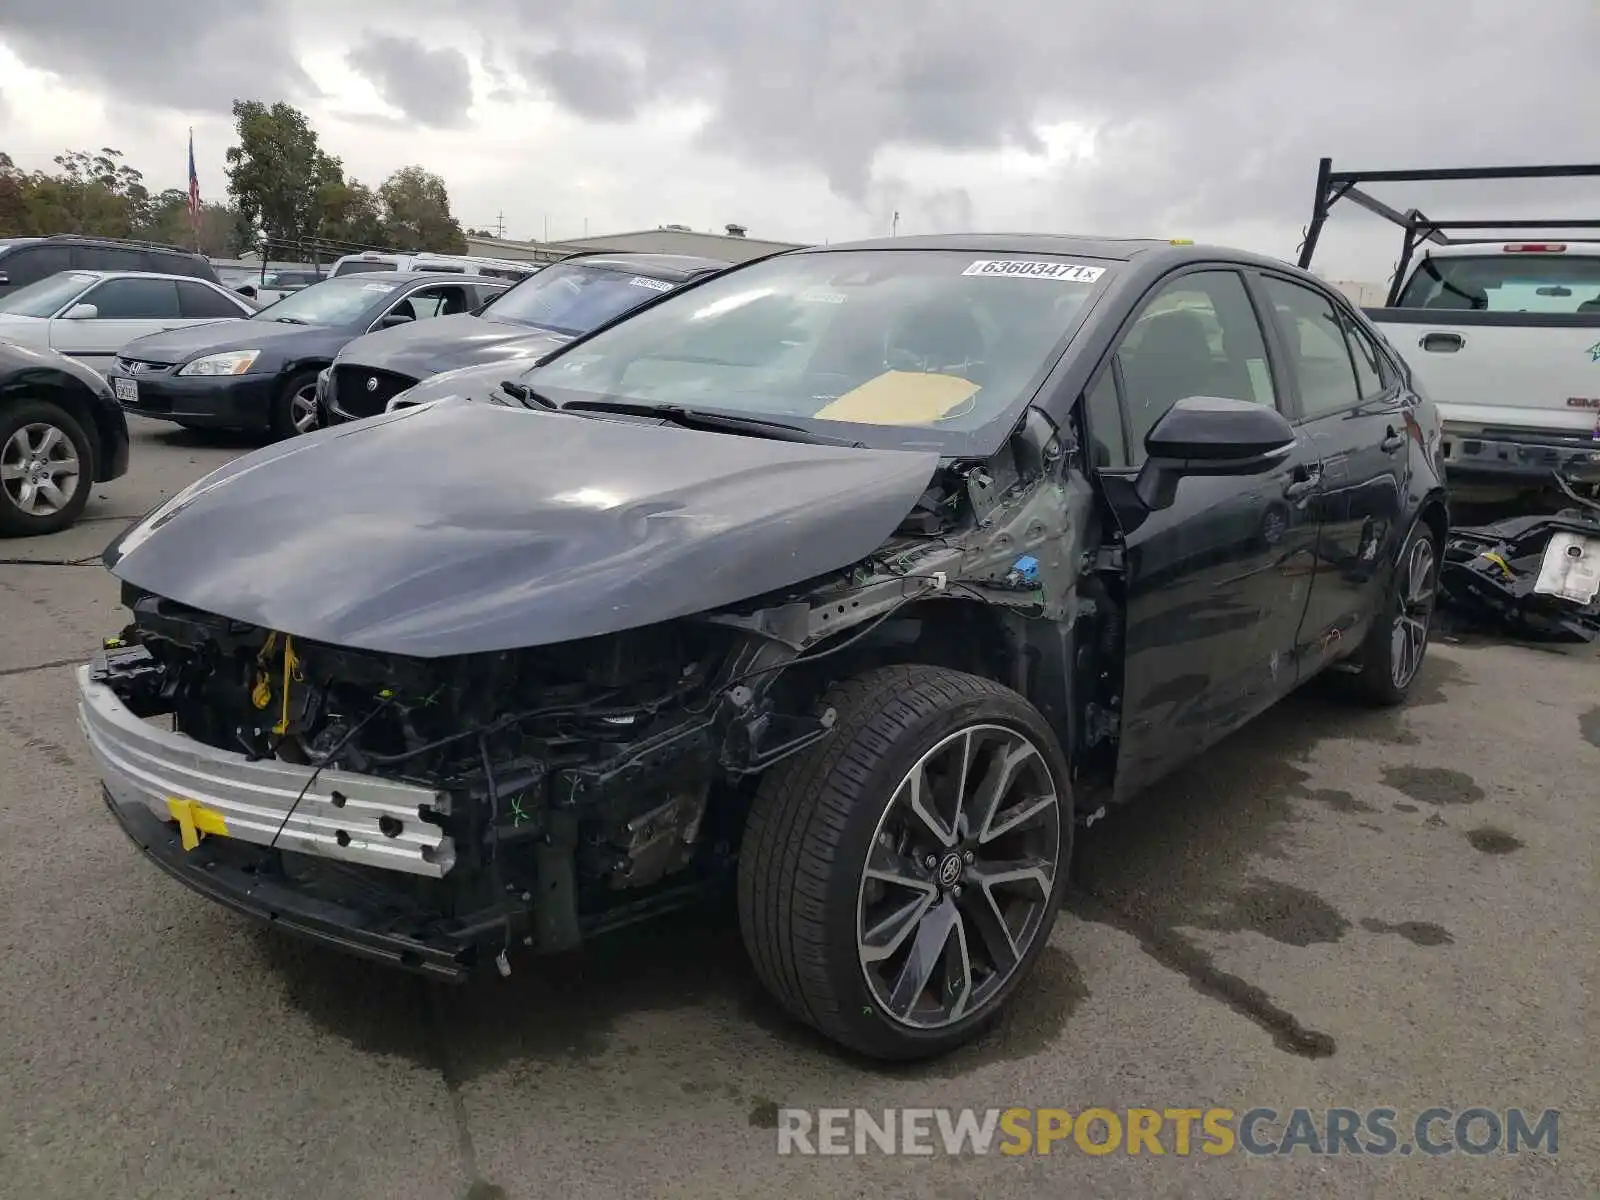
1571 568
127 390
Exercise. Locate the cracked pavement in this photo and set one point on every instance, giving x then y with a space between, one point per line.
1334 908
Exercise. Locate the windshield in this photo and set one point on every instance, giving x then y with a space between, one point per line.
1506 282
331 302
574 299
45 298
935 340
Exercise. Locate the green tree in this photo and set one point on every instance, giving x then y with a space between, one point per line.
351 213
16 199
277 172
169 222
416 210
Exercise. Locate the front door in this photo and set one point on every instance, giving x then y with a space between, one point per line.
1354 414
128 307
1216 583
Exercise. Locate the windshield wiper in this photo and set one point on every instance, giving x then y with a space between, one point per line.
524 393
693 418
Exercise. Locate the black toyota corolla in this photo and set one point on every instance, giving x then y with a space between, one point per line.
260 374
520 326
860 575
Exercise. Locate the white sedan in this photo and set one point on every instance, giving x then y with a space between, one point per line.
90 315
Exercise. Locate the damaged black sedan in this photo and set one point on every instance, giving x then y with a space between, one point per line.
858 575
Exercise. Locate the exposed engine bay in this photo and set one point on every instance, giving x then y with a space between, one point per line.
585 784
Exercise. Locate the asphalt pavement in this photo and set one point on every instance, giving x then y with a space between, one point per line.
1336 908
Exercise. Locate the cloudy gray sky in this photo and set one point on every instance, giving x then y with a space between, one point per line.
817 121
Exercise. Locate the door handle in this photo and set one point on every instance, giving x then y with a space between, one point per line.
1306 481
1392 441
1442 343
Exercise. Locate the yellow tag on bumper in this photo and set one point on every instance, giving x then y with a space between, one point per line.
195 820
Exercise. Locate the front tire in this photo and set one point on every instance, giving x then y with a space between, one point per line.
898 880
46 469
294 410
1398 641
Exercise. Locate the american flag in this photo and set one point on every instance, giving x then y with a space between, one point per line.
194 187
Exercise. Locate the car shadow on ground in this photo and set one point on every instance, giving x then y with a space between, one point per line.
180 437
1186 855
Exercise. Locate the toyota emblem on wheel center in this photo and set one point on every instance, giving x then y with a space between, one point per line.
372 383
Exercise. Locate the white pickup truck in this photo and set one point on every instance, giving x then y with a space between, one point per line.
1504 335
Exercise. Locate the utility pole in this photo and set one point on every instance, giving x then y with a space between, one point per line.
500 225
547 227
894 224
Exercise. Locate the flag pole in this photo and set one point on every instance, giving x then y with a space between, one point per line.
194 196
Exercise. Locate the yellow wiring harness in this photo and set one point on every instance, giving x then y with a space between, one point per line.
261 693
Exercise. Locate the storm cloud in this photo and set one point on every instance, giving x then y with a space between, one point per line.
1205 120
170 53
431 86
1202 116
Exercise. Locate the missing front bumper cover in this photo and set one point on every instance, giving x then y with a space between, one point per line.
204 792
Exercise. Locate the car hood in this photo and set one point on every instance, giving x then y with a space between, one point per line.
512 527
423 348
179 345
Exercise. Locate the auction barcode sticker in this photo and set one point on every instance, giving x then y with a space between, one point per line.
1022 268
655 285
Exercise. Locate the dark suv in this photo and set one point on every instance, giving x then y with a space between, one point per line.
28 260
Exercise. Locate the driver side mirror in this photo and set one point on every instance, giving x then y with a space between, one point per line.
390 320
81 312
1210 435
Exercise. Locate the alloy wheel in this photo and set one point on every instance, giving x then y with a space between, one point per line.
39 469
959 876
303 409
1409 638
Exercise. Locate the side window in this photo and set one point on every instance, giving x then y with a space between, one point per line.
33 263
1373 376
107 258
1319 355
1197 337
175 264
437 302
198 302
1103 411
135 300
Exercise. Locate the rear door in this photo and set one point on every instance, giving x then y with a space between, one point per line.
128 308
1215 583
199 304
1357 419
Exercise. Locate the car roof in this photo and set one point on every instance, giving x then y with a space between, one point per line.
675 268
1114 249
99 274
424 276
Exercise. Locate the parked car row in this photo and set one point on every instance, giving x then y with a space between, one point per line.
190 351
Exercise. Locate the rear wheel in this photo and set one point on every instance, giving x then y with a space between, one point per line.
898 880
294 411
46 469
1398 641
